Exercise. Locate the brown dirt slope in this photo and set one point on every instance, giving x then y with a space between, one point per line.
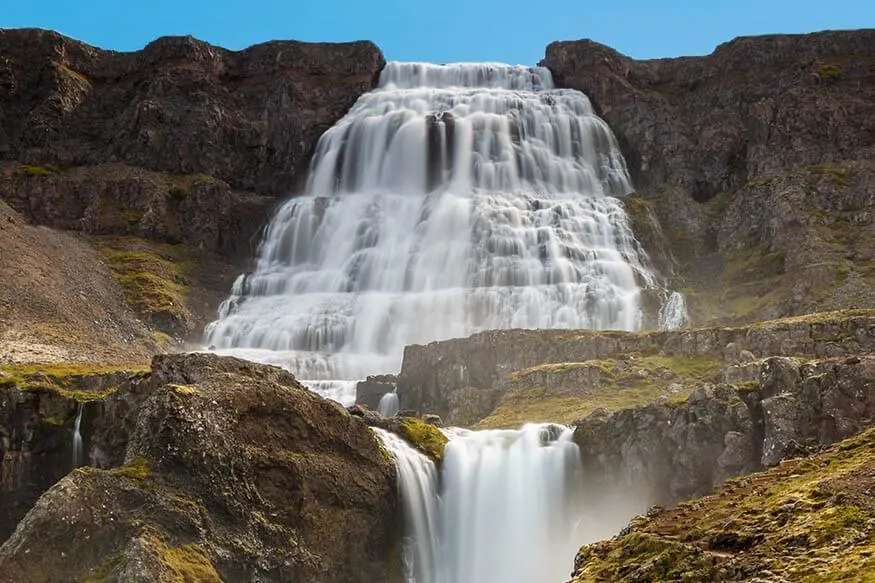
59 301
807 520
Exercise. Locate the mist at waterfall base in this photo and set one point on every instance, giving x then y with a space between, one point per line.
450 200
508 508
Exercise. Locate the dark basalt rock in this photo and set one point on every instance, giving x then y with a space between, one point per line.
250 118
231 471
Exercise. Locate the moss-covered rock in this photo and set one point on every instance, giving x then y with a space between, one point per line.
807 520
234 472
425 437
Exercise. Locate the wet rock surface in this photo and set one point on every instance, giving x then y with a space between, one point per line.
230 471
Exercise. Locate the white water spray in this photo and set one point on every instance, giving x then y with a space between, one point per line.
506 513
77 437
452 199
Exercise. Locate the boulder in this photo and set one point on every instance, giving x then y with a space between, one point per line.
232 471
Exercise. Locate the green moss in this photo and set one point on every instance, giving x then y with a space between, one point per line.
190 564
186 390
828 72
809 519
62 379
152 283
34 170
136 469
423 436
177 194
839 175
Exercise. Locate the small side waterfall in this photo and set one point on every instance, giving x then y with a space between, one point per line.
389 404
673 313
417 482
78 460
506 512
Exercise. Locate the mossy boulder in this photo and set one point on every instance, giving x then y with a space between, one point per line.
231 471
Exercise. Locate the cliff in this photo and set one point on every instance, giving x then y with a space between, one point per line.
202 469
756 160
168 160
806 520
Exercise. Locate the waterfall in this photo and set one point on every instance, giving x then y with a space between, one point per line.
417 484
77 437
506 511
450 200
389 404
673 313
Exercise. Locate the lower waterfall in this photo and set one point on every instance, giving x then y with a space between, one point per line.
505 511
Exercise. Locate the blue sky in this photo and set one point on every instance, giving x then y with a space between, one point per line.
513 31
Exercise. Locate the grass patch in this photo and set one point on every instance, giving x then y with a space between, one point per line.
186 390
154 284
839 175
808 519
828 72
63 380
423 436
609 384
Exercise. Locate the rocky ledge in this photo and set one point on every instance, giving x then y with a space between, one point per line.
203 469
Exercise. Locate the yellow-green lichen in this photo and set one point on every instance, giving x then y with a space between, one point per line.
36 170
186 390
423 436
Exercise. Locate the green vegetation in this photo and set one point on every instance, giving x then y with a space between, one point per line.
62 379
186 390
177 194
423 436
33 170
839 175
74 74
828 72
153 283
136 469
190 564
807 519
609 384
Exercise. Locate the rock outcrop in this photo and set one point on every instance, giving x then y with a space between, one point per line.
230 471
808 519
668 452
757 161
181 144
433 374
250 118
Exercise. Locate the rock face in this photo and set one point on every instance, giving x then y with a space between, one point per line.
181 143
807 519
431 375
232 472
249 118
672 452
757 161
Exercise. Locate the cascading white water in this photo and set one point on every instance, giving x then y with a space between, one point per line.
77 437
506 513
450 200
673 313
389 404
418 486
